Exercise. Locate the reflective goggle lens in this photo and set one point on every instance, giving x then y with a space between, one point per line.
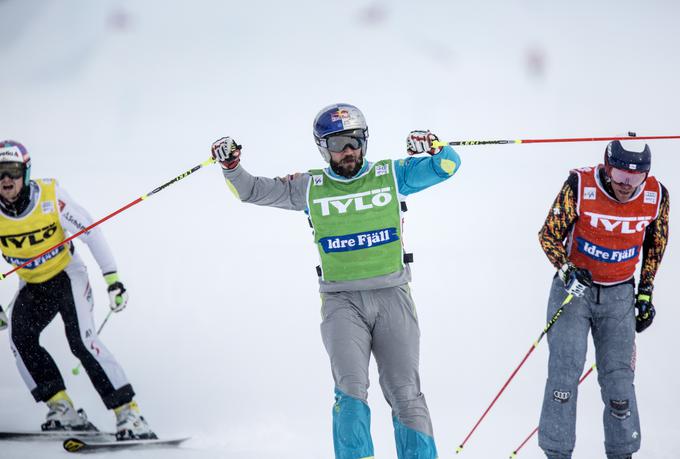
11 170
338 143
622 177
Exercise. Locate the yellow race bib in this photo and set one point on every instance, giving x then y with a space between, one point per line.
29 236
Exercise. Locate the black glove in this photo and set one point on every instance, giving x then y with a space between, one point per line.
645 310
576 280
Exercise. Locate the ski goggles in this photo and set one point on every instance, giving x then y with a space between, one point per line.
11 170
338 143
621 177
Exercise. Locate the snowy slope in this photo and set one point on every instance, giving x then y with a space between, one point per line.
221 337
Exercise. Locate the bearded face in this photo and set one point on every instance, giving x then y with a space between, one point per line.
347 163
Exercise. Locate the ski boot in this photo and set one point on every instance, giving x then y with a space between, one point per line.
131 425
63 416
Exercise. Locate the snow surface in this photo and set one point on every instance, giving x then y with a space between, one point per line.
221 337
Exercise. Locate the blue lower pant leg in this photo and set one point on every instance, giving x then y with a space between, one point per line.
412 444
351 428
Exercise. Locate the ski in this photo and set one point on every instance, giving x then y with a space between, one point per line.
84 445
55 435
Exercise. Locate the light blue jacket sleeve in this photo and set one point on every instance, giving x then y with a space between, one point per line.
416 174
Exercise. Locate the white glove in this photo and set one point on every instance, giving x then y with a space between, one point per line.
4 321
421 142
118 296
227 152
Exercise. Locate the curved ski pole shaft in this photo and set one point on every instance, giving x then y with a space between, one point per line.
514 453
76 370
111 215
558 140
550 323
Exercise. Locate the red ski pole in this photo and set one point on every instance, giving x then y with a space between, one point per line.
111 215
514 453
631 136
531 349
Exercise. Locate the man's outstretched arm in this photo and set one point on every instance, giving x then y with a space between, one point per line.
417 174
283 192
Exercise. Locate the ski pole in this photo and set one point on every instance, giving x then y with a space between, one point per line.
531 349
76 370
631 136
514 453
111 215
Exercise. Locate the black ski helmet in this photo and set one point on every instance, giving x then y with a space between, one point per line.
620 158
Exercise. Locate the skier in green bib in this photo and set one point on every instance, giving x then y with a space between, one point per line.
355 207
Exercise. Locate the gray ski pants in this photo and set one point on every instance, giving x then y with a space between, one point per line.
382 321
609 313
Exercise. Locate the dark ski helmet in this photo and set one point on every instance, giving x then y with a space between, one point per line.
14 152
633 161
336 119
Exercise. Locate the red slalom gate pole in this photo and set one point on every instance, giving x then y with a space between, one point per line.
631 136
111 215
531 349
514 453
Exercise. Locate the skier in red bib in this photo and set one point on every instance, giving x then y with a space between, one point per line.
603 220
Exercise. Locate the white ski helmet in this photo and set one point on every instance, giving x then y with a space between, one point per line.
14 152
336 119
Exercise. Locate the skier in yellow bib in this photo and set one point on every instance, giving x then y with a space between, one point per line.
34 216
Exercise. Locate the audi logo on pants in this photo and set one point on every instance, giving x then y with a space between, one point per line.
561 396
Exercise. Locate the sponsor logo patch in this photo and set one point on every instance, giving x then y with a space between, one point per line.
34 237
47 207
561 396
11 153
621 416
317 180
37 262
88 295
614 224
71 219
382 169
358 241
589 193
340 115
633 358
619 405
606 255
650 197
360 201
